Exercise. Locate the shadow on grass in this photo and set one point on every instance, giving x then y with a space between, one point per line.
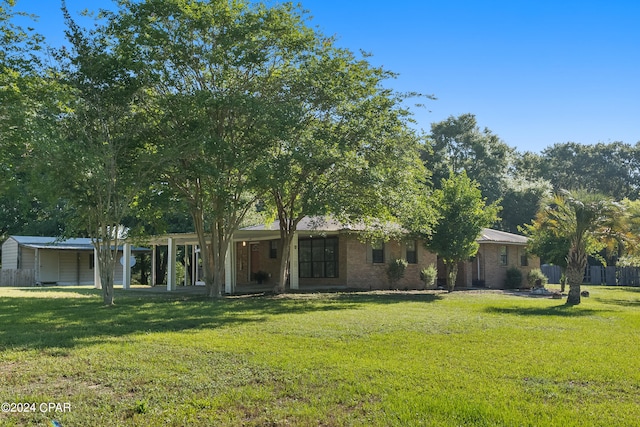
557 310
392 298
620 302
46 291
46 320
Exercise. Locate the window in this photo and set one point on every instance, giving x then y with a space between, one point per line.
92 261
377 252
318 258
273 249
524 259
412 253
504 260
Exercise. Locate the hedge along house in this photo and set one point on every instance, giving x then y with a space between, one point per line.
31 260
498 252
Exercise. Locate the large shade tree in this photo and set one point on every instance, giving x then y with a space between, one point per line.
351 154
219 77
607 168
27 96
459 144
93 159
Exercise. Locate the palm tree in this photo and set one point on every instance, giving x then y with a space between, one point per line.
588 221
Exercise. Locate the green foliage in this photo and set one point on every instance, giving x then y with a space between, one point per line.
587 222
549 246
232 95
349 151
429 275
534 275
463 213
630 253
395 271
93 158
458 144
520 202
513 279
28 99
605 168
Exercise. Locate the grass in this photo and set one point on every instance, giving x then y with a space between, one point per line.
374 359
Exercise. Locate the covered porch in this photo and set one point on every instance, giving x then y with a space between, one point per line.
250 263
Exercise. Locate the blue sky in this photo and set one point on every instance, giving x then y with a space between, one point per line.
535 72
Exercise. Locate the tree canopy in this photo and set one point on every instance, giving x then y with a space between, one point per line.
458 144
209 107
93 155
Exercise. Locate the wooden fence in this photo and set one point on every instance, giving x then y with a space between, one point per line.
599 275
17 277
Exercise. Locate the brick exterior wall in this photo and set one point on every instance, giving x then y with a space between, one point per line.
364 274
495 272
355 266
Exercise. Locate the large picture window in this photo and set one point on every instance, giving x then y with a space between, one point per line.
318 257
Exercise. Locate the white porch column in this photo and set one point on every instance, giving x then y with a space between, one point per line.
229 270
126 266
171 264
194 265
97 282
294 281
153 265
186 270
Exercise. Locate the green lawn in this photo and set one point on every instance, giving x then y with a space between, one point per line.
434 359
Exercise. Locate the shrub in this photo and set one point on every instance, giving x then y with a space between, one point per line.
395 271
514 278
261 276
535 275
429 275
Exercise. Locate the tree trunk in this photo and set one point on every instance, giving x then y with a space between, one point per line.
161 265
220 245
452 272
574 295
107 293
285 256
576 263
106 264
218 267
144 269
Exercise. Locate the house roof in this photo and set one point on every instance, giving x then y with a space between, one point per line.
322 224
72 244
489 235
315 223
